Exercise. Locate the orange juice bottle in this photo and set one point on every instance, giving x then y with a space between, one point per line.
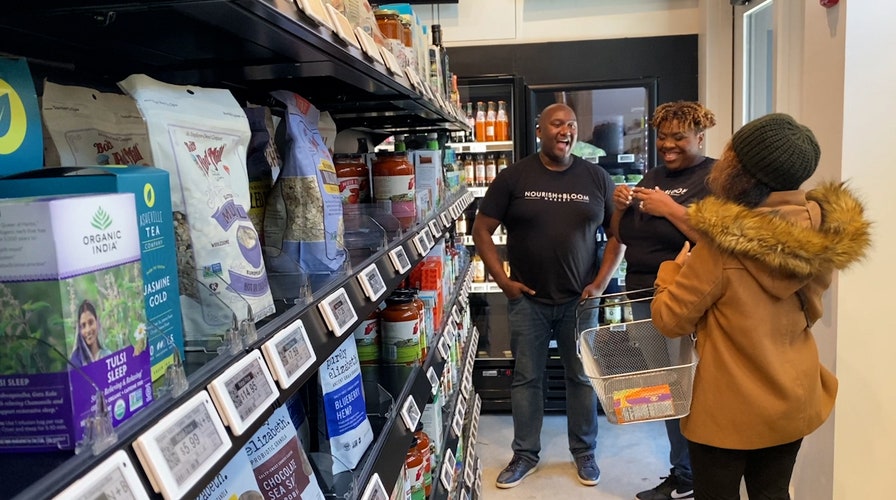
502 123
480 121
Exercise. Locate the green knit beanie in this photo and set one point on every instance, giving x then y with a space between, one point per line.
777 151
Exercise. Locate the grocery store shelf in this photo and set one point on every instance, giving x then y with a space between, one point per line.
481 147
57 472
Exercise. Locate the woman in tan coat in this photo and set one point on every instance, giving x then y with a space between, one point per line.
752 289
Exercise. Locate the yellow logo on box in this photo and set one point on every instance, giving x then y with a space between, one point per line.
13 120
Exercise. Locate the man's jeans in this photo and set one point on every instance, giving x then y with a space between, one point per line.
532 325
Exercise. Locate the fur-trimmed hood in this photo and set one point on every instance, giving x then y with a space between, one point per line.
793 236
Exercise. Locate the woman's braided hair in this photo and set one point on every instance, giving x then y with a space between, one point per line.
689 115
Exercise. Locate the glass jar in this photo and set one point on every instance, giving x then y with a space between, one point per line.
400 332
393 187
389 23
354 178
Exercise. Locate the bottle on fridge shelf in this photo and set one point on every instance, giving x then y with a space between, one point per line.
491 169
455 94
491 115
478 269
502 162
480 170
502 123
471 121
479 132
424 446
469 170
414 467
460 225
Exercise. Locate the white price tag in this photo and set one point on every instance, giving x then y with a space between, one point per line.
289 353
444 349
465 391
469 475
315 10
434 228
113 479
455 313
243 392
400 260
342 26
372 282
428 238
450 333
390 60
447 473
410 414
184 445
477 147
375 489
446 220
433 379
457 424
462 408
338 312
367 44
477 404
420 244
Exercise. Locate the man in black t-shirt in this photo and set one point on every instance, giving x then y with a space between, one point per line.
551 204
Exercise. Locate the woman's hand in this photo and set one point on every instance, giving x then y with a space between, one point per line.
683 255
654 201
622 197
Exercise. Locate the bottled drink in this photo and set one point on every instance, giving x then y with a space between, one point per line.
502 162
424 447
480 170
491 115
480 121
471 121
478 269
491 169
460 225
469 170
502 123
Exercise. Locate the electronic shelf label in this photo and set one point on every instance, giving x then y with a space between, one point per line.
368 45
342 26
390 60
446 218
372 282
289 353
433 379
375 489
113 479
420 244
435 229
338 312
410 413
400 260
184 445
447 472
243 392
316 11
457 424
444 348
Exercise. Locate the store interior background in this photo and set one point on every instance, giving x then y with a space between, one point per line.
833 73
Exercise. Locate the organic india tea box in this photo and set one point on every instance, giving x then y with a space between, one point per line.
72 317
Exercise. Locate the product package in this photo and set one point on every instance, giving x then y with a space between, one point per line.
344 429
235 481
150 187
303 217
428 178
21 137
281 467
262 160
73 316
200 136
87 127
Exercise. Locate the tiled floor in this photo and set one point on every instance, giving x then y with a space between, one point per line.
631 458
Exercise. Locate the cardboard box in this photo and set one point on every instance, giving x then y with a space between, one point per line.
428 177
71 287
152 195
21 137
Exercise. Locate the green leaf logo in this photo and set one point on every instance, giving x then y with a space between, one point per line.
101 220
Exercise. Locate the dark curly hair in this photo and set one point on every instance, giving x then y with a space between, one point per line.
689 115
730 181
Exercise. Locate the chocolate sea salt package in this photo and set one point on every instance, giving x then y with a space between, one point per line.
200 136
72 313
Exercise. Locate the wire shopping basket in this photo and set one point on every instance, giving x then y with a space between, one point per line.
638 374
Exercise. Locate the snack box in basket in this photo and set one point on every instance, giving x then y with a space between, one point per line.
71 309
152 194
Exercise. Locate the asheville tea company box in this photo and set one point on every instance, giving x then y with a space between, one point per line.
152 195
71 309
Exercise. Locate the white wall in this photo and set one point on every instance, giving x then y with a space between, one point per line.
836 77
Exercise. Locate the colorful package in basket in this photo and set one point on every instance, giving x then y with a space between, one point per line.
303 216
21 138
200 136
72 313
88 127
345 431
631 405
235 481
281 467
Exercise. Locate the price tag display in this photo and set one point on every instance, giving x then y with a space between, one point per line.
410 414
338 312
420 244
184 445
375 489
449 334
315 10
444 349
243 392
447 472
455 313
289 353
372 282
477 404
427 236
342 26
113 479
433 379
367 44
465 390
434 228
390 60
400 260
469 473
446 221
457 424
462 408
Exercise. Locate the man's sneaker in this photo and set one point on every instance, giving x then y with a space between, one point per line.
672 487
515 472
588 471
